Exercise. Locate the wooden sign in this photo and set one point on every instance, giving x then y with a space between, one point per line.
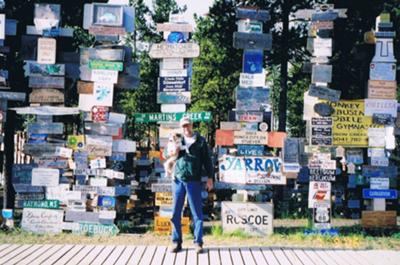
251 170
174 50
46 128
42 221
106 65
47 82
275 139
382 71
162 225
246 137
253 218
380 106
318 191
224 138
107 31
33 68
250 150
324 93
45 204
104 76
105 54
46 95
321 73
46 51
382 89
252 80
117 118
253 14
47 177
176 27
173 97
22 173
321 25
255 41
379 219
163 198
230 125
85 87
174 84
249 116
384 48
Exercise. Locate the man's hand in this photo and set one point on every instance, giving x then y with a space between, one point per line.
210 184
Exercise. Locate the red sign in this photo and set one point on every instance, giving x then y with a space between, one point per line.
275 139
224 138
99 114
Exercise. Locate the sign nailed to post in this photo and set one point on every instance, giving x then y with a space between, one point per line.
42 221
168 117
174 83
248 137
174 50
256 41
46 51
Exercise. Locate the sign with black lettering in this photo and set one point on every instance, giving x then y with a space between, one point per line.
253 218
322 215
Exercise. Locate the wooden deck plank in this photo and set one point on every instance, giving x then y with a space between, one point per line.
137 255
357 256
280 256
69 255
25 254
322 256
181 257
50 259
258 256
203 258
315 258
148 255
125 255
236 256
303 257
4 246
247 256
214 256
292 257
9 249
225 256
373 257
192 256
336 257
159 255
33 256
92 254
169 258
269 256
45 255
81 255
392 256
112 258
346 256
15 252
103 255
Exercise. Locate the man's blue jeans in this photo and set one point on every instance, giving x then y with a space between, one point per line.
193 190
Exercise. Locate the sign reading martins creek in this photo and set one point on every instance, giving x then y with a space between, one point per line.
167 117
251 170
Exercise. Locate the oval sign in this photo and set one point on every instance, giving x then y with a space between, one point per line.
323 109
263 126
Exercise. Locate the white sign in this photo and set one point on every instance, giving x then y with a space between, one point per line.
103 94
376 152
322 47
46 51
107 214
379 183
98 182
2 26
252 80
253 218
166 108
322 215
48 177
104 76
62 193
380 161
319 191
124 146
171 64
380 106
63 152
42 221
117 118
173 73
249 137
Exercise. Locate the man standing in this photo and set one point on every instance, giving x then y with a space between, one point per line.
193 159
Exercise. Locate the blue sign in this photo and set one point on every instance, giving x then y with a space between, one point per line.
379 194
375 171
22 173
106 201
250 150
253 98
123 191
304 175
37 138
253 61
118 157
353 204
176 37
174 83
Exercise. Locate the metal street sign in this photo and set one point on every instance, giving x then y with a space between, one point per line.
47 82
174 50
324 93
106 65
176 27
253 14
169 117
46 204
379 194
254 41
173 97
171 64
174 84
253 61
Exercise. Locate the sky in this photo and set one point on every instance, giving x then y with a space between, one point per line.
199 7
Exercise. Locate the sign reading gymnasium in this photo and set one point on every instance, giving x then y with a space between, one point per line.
251 170
350 125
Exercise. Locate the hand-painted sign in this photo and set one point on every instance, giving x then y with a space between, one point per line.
46 95
173 97
379 219
253 61
169 117
47 177
380 106
176 83
379 194
382 71
253 14
106 65
252 98
46 51
382 89
249 116
46 204
252 80
250 150
224 138
163 198
249 137
321 73
253 218
319 191
174 50
33 68
324 93
47 82
42 221
162 225
254 41
99 145
251 170
104 76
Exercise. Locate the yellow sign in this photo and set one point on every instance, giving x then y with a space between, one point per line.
76 142
162 225
350 126
163 198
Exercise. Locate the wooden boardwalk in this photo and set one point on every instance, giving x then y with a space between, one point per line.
149 255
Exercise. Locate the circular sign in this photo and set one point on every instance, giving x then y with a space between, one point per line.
263 126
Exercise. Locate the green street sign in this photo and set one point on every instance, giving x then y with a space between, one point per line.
106 65
46 204
177 116
96 229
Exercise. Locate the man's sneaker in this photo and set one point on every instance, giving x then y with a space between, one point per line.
198 248
176 247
